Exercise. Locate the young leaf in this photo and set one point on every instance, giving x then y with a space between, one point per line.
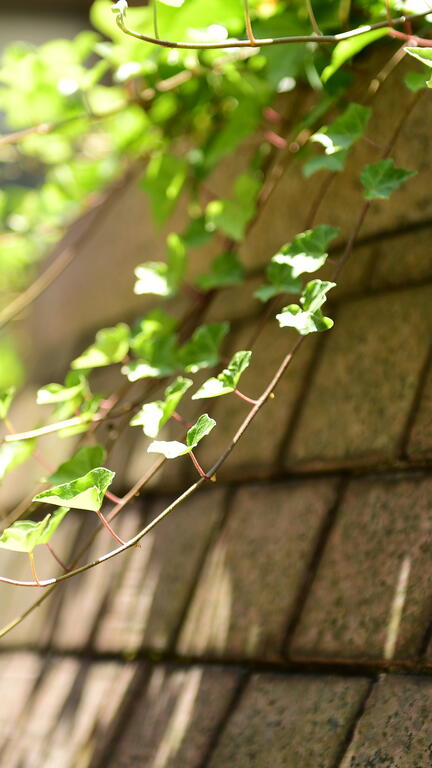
308 318
74 386
228 380
87 458
381 179
14 454
25 535
202 351
6 397
85 492
226 270
153 416
111 346
233 216
159 278
308 251
171 449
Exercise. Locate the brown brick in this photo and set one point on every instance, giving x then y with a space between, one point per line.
70 706
365 382
18 677
290 722
372 594
395 729
146 604
175 718
420 438
253 575
402 259
257 452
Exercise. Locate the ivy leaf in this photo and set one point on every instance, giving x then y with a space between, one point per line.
85 492
25 535
87 458
233 216
228 380
120 7
281 280
74 386
415 81
308 251
381 179
153 416
6 397
13 454
87 410
425 56
202 351
338 138
308 318
111 346
159 278
346 49
159 359
226 270
163 183
172 449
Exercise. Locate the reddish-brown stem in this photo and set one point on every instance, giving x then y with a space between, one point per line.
197 466
106 524
112 497
57 559
33 569
244 397
413 39
176 416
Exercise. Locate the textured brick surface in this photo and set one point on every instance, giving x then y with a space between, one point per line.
146 603
289 722
402 259
257 452
420 437
70 707
395 730
175 718
253 575
372 595
365 382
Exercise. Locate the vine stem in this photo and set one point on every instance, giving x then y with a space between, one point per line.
106 524
112 497
57 559
248 23
293 39
312 18
198 466
244 397
33 569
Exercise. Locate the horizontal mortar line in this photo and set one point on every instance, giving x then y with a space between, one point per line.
355 667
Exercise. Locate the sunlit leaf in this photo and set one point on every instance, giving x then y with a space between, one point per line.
381 179
83 461
111 346
85 492
171 449
227 381
13 454
160 278
308 317
346 49
74 386
153 416
25 535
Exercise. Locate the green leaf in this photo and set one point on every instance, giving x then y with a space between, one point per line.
381 179
346 49
173 3
226 270
87 458
415 81
163 183
158 358
153 416
308 318
233 216
111 346
74 386
344 131
6 397
228 380
85 492
333 163
159 278
202 351
422 54
14 454
171 449
281 280
25 535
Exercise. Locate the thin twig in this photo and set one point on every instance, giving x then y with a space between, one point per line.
312 18
248 23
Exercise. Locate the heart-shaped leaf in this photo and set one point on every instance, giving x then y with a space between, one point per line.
25 535
111 346
171 449
153 416
227 381
85 492
381 179
83 461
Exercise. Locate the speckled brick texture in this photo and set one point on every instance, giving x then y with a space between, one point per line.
395 730
372 594
252 577
290 722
